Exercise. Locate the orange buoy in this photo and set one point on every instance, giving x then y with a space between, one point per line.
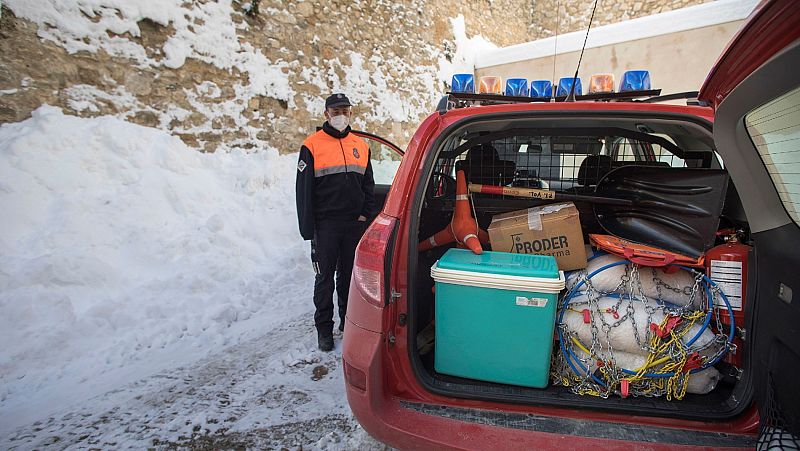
463 228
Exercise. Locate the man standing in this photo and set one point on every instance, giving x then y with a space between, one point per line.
334 199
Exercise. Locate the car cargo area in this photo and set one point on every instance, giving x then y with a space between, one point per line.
542 189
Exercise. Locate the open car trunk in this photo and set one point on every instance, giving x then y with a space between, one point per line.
571 154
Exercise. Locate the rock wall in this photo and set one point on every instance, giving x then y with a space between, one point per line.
230 74
566 16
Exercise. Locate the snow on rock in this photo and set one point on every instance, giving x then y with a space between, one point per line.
205 31
367 83
467 50
123 252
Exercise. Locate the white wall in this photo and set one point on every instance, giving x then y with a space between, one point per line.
678 48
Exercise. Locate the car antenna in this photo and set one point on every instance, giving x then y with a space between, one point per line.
571 96
555 41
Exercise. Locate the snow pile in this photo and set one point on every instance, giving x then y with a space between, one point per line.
123 252
119 241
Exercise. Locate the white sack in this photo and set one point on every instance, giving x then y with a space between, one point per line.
704 381
699 383
609 281
622 336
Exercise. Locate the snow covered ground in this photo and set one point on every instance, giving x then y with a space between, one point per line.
152 295
131 264
271 392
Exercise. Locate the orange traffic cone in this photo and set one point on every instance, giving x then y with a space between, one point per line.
463 228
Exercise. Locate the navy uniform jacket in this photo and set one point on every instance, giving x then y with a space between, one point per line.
334 179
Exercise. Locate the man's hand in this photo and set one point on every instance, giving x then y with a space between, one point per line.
362 218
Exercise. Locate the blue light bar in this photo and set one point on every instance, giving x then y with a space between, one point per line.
463 83
635 80
517 87
541 88
565 85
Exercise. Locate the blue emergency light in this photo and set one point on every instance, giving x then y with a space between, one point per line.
463 83
635 80
565 85
541 89
517 87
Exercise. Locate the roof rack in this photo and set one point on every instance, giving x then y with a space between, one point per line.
463 99
690 96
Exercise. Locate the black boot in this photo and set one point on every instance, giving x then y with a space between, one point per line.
325 341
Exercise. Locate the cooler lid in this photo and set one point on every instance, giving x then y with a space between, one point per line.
502 263
499 281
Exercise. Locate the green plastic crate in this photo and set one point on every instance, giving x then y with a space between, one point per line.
495 315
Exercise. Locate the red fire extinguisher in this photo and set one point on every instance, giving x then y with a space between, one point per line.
726 265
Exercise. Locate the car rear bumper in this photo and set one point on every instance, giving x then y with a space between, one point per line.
408 424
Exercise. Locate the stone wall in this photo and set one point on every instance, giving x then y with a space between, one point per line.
284 60
566 16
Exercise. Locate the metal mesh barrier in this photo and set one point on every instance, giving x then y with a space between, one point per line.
774 434
560 163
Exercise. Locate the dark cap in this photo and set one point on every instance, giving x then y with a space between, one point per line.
337 100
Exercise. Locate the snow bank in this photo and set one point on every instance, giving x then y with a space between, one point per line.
123 250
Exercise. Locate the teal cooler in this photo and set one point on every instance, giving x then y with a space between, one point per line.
495 314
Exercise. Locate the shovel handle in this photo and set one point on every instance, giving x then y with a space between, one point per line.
544 194
513 191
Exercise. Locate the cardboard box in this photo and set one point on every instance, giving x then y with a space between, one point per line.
553 229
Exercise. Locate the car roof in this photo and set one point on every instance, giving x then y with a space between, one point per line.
584 106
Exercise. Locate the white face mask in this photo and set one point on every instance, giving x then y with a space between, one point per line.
339 122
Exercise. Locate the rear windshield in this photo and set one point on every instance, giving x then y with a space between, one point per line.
560 160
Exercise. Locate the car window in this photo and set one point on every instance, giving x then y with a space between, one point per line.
569 162
774 128
665 156
626 150
385 160
572 151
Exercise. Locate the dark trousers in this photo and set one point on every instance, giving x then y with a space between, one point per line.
332 251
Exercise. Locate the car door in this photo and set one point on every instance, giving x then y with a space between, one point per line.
755 90
385 158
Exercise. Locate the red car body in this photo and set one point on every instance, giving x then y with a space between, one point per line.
382 389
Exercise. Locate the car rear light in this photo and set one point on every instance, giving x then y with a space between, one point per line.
565 86
369 266
541 89
355 377
517 87
490 84
463 83
635 80
601 83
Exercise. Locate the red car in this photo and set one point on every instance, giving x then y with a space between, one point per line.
745 123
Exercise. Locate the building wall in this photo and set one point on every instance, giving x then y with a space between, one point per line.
677 62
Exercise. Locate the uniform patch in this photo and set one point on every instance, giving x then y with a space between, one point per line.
301 165
355 152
